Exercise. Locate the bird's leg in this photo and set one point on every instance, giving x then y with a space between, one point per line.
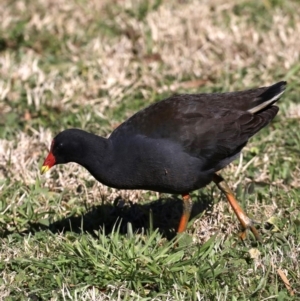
245 221
187 208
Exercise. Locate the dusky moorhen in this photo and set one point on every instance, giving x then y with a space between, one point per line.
175 145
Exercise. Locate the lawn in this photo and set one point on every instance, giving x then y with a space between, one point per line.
92 64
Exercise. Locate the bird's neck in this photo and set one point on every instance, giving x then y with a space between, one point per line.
97 157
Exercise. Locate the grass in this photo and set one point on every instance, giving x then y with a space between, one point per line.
92 64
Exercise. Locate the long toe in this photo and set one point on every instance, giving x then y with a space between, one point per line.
248 224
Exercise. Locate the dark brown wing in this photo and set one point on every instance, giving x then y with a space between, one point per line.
202 124
226 138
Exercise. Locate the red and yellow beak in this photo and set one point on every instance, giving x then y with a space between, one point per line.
48 163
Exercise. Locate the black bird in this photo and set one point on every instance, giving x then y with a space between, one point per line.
175 146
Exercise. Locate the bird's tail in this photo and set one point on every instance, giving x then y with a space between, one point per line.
268 97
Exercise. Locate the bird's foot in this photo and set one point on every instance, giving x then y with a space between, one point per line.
248 224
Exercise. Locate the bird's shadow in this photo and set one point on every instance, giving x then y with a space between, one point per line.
163 214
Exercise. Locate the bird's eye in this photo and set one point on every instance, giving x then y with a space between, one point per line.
59 145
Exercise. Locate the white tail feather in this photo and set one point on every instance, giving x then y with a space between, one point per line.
265 104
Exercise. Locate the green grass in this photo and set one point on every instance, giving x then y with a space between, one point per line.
91 65
142 261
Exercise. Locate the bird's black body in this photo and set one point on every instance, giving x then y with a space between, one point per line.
175 145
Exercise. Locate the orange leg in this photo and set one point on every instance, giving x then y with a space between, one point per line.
245 221
187 208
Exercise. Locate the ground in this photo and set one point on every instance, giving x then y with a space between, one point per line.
91 65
